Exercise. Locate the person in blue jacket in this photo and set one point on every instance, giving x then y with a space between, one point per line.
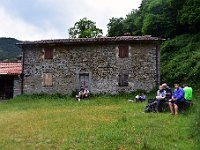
177 99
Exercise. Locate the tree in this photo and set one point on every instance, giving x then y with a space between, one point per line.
116 27
189 15
85 29
130 23
157 19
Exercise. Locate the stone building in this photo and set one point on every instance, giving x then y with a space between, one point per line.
10 80
103 65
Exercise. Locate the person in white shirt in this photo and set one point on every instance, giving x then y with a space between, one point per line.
83 93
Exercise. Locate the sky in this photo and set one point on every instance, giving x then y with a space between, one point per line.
50 19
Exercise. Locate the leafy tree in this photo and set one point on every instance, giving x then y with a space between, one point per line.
129 23
189 15
157 20
116 27
85 29
164 18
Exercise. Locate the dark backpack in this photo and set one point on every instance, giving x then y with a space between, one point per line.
151 107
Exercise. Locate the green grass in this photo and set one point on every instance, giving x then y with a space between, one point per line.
101 123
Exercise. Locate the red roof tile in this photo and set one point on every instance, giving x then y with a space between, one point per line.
11 68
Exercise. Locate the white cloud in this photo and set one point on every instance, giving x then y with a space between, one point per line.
58 16
16 27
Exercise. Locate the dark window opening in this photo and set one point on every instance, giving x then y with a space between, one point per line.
123 51
6 87
123 80
48 53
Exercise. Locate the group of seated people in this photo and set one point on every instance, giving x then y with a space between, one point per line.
83 94
176 100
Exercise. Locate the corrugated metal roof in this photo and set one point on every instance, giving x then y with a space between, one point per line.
93 40
10 68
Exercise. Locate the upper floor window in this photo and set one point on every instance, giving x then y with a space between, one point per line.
48 53
123 51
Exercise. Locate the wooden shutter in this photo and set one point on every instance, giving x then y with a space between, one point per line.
48 53
123 80
123 51
48 79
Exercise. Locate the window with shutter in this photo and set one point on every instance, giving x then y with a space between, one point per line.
123 80
48 53
123 51
47 79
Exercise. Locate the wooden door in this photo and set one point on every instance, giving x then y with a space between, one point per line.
84 80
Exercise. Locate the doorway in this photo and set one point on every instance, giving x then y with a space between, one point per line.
84 81
6 87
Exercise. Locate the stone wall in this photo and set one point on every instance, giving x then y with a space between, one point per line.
102 63
17 86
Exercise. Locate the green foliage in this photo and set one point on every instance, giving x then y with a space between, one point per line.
116 27
190 15
8 49
196 122
157 19
43 121
85 29
129 23
125 26
180 59
163 18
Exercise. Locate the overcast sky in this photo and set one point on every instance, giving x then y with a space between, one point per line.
51 19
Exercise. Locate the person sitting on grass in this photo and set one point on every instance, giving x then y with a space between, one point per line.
168 91
86 93
177 99
160 99
83 93
188 94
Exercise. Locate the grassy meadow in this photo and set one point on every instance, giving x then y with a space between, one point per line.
100 123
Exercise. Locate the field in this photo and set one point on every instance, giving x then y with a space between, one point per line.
100 123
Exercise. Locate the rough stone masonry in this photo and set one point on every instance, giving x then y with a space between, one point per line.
103 65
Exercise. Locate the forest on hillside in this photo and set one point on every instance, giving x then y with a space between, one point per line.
8 49
178 21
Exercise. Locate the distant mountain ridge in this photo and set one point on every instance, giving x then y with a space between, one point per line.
8 49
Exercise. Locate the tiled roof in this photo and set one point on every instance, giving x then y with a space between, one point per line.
93 40
11 68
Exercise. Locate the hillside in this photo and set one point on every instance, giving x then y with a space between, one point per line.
180 59
8 50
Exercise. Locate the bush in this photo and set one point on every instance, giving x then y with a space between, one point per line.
180 59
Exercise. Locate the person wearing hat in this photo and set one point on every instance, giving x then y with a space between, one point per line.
168 90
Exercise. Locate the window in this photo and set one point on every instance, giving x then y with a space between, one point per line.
47 79
123 51
123 80
48 53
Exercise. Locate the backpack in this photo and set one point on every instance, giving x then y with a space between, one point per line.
151 107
